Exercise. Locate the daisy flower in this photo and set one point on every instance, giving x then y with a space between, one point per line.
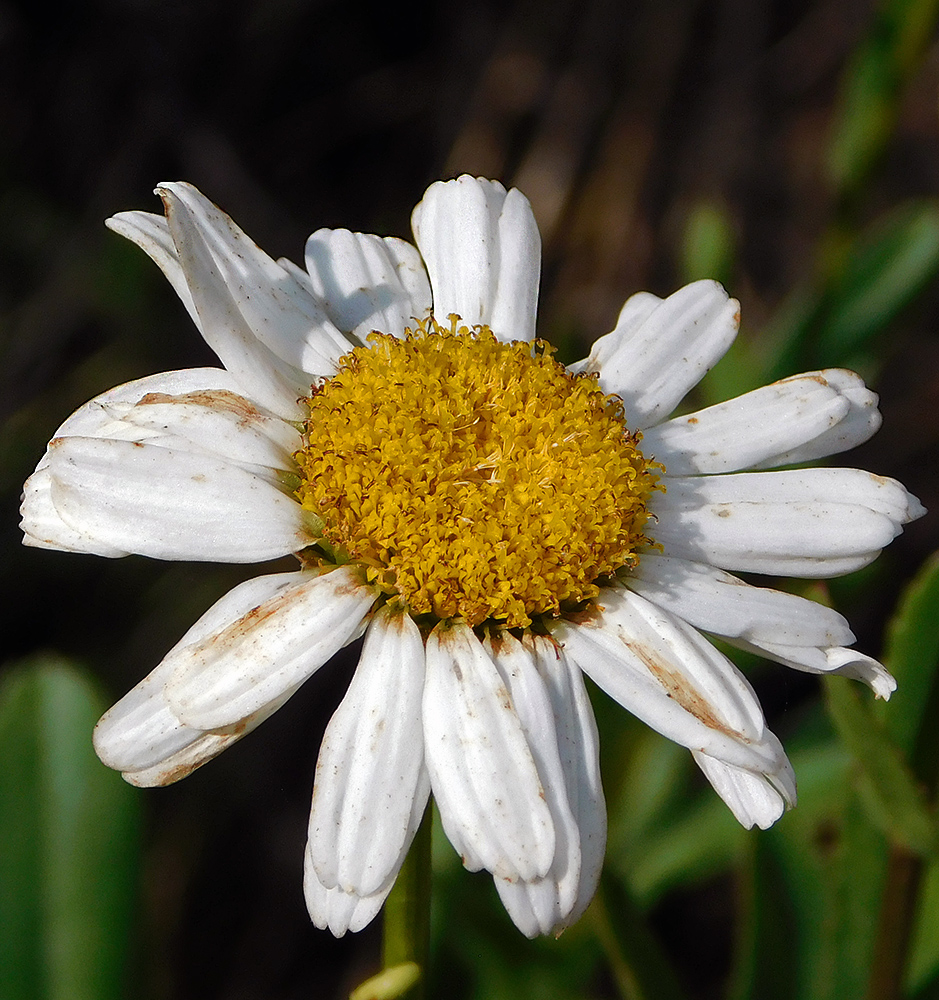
494 523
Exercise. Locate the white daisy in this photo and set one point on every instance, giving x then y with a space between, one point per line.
494 523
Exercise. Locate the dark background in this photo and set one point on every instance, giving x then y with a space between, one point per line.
616 119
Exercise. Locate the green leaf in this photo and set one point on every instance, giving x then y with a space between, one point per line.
912 656
872 87
68 841
883 272
894 801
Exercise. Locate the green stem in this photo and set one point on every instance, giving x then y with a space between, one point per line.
407 912
636 960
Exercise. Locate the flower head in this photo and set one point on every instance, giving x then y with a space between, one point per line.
495 524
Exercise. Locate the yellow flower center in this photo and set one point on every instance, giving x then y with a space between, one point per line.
473 478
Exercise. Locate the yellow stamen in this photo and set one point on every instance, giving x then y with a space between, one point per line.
474 478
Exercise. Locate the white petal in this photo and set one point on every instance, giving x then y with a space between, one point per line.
552 898
668 675
367 283
152 234
370 777
483 254
335 910
827 660
260 320
141 735
656 362
558 900
274 647
482 773
217 422
807 416
43 527
171 504
723 605
801 522
754 798
636 310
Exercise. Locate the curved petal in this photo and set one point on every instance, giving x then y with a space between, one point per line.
723 605
141 736
367 283
804 417
371 786
755 798
657 361
668 675
827 660
152 234
482 772
801 522
336 910
550 899
483 254
636 310
171 504
272 648
264 324
550 904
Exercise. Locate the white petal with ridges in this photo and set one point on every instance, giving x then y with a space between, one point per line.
260 320
671 677
716 602
636 310
152 234
483 254
482 772
367 283
336 910
171 504
656 362
216 422
753 798
827 660
806 415
370 775
801 522
550 899
141 735
270 650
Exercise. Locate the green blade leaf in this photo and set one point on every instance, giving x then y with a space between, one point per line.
68 841
894 801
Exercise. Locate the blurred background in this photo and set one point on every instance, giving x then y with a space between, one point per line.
786 148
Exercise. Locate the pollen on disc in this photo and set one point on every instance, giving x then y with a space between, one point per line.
476 479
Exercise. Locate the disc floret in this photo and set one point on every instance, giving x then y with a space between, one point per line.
476 479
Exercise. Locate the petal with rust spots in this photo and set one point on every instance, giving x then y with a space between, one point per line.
482 249
656 362
800 522
334 909
217 422
171 504
671 677
141 734
716 602
755 798
550 899
367 283
371 784
482 772
268 651
803 415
